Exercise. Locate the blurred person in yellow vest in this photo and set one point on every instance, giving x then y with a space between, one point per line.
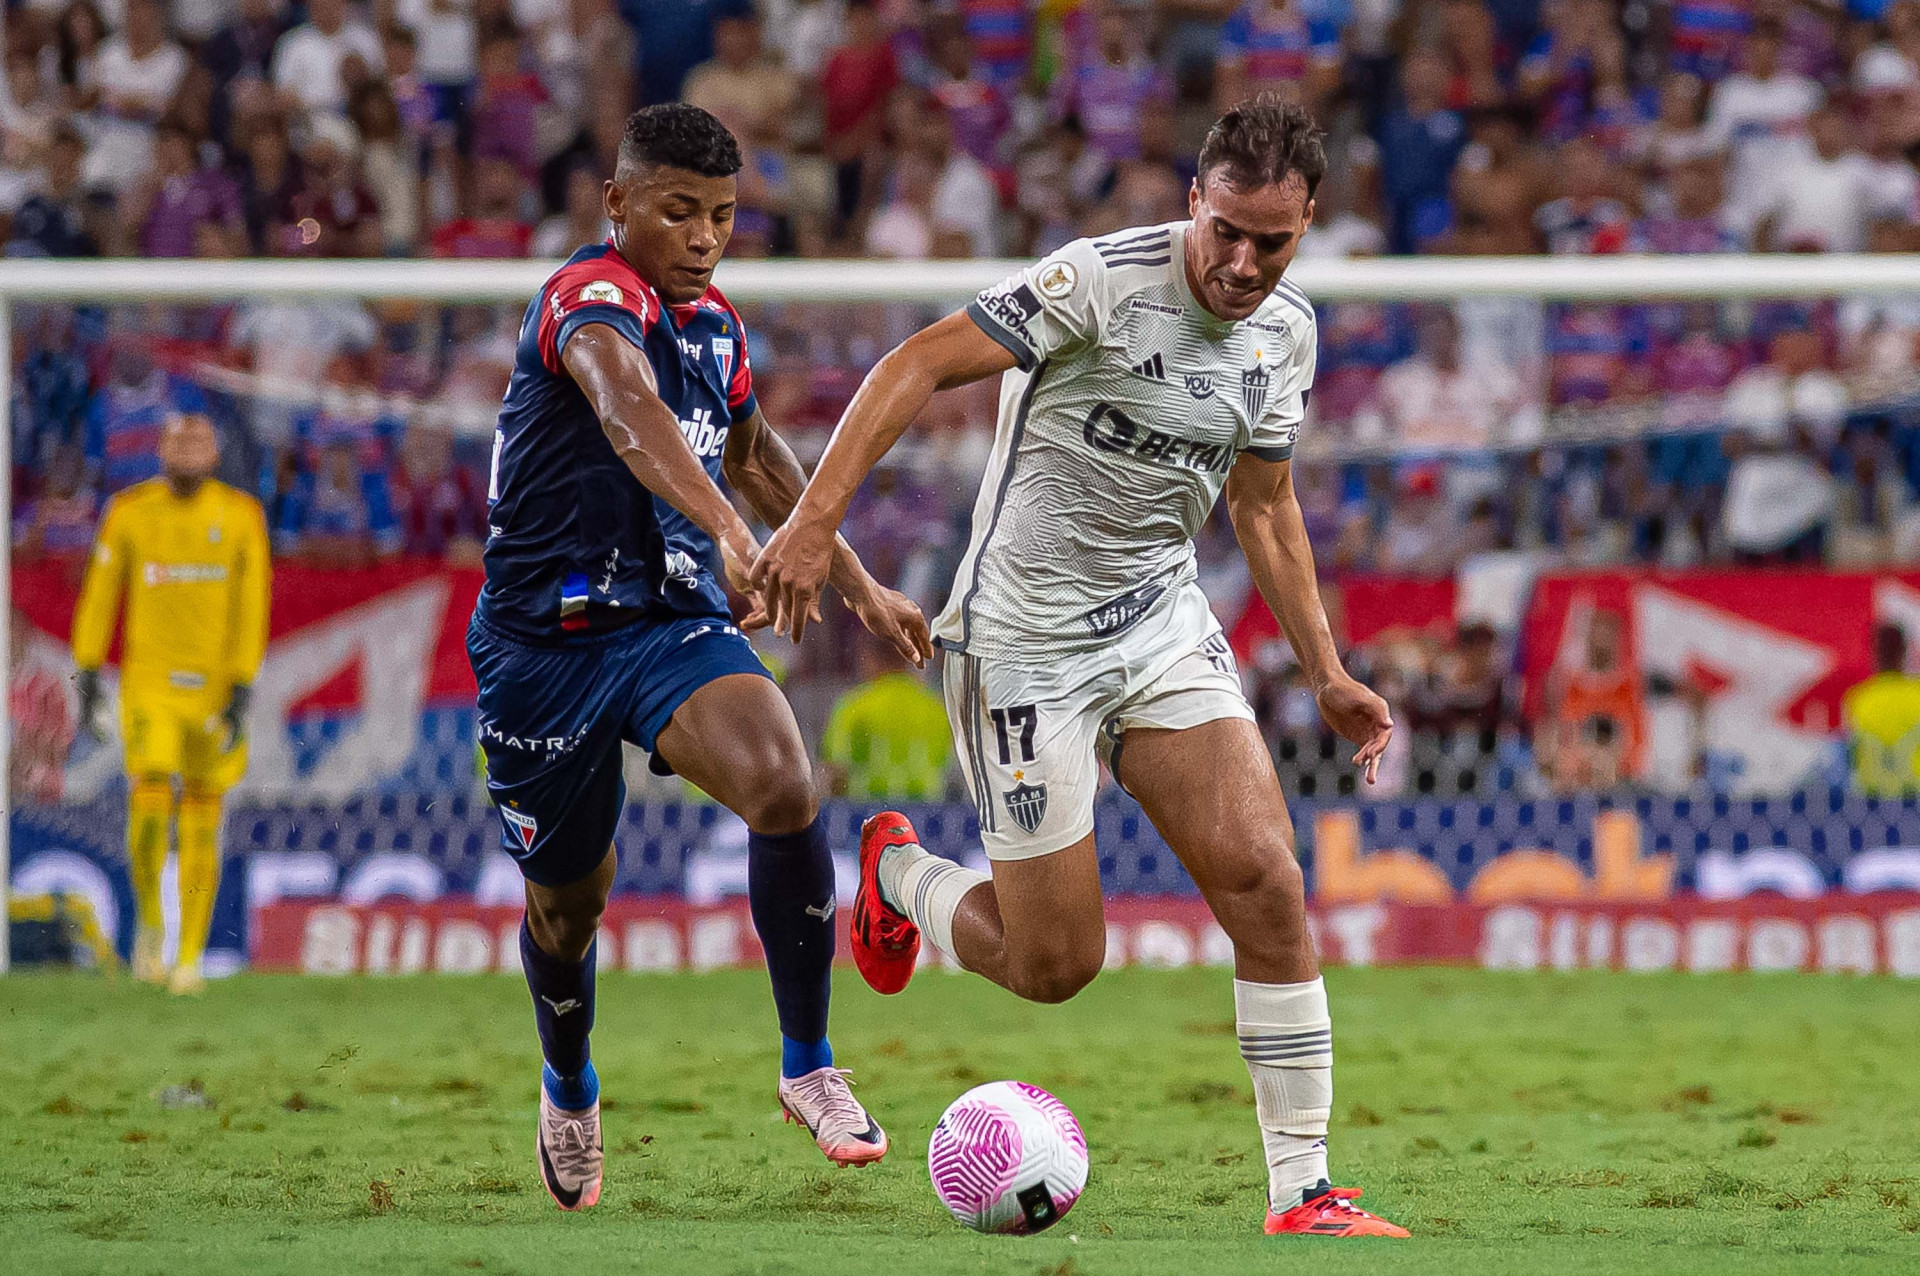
189 555
1883 720
887 737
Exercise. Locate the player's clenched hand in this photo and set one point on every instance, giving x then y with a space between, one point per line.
890 614
789 575
1362 717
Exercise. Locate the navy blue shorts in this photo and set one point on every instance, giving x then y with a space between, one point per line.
552 719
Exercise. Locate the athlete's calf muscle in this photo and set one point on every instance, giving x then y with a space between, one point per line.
1040 932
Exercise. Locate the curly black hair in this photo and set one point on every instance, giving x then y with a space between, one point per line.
680 136
1262 142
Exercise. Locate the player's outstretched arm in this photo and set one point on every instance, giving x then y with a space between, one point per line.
98 611
761 467
619 383
1273 535
952 352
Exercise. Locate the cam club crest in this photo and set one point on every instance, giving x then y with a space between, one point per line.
1027 804
1253 389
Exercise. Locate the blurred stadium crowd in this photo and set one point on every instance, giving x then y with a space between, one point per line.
1673 434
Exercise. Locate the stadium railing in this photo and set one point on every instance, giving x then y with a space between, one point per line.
1558 279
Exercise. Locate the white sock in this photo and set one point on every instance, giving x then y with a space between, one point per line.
927 888
1286 1037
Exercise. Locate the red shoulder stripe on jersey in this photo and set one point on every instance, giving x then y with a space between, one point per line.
740 383
606 280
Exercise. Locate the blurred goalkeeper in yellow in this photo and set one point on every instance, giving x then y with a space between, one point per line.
190 555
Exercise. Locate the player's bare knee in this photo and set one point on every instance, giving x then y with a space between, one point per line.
783 802
564 929
1266 877
1058 975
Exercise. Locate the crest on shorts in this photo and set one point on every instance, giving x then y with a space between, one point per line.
524 826
1027 804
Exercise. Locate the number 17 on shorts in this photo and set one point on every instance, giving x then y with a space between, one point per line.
1028 755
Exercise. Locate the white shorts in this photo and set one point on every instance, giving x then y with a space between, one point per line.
1031 739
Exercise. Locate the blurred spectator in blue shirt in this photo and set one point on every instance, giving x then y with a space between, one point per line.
332 505
58 523
334 514
125 417
55 392
1419 142
675 36
439 505
56 222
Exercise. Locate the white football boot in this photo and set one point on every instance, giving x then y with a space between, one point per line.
823 1102
571 1159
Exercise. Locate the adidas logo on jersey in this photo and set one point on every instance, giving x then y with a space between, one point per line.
1151 367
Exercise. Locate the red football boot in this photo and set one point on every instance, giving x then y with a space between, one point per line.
1330 1213
885 943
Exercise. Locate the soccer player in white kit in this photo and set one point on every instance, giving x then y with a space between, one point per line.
1142 373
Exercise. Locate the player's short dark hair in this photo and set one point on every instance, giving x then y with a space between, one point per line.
1262 142
680 136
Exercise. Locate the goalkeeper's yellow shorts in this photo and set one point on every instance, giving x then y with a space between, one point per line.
173 731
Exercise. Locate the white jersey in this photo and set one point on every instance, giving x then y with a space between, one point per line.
1116 432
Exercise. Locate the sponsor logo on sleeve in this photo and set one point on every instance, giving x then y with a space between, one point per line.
603 291
1013 308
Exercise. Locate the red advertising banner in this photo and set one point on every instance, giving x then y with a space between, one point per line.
305 597
1861 934
1762 659
1766 655
1361 607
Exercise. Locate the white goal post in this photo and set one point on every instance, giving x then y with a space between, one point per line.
1619 278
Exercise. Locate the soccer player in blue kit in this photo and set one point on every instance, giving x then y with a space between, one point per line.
601 621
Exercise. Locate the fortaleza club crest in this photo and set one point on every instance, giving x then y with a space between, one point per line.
1027 804
1253 389
525 826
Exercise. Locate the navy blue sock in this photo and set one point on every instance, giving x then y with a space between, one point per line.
790 889
563 1012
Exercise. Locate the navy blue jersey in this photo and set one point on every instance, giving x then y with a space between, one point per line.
575 543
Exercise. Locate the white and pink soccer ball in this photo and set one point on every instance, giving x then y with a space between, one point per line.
1007 1157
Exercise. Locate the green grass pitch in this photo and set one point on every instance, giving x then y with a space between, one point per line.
1517 1123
